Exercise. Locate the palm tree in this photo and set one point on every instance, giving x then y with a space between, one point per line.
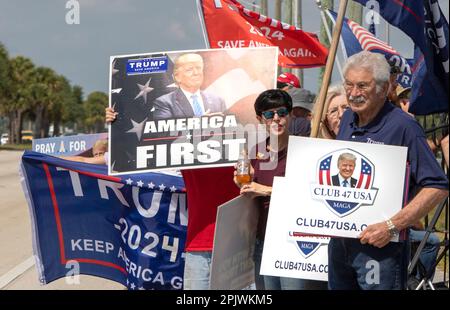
5 69
94 108
47 88
73 109
19 95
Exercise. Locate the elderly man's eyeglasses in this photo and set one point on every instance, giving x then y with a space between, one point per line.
282 112
361 86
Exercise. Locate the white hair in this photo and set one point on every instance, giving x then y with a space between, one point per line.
334 91
373 62
347 156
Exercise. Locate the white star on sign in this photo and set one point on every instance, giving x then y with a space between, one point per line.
129 181
140 183
137 128
151 185
141 288
173 189
132 286
145 89
188 136
162 187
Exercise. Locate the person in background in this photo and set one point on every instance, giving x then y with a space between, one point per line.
272 109
99 154
302 105
286 81
402 98
336 104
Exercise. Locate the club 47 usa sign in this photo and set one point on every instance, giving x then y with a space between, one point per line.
338 188
288 253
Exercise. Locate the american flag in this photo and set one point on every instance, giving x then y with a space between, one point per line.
356 38
368 41
324 171
365 176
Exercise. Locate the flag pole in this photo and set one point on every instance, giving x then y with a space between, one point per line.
328 69
328 32
201 16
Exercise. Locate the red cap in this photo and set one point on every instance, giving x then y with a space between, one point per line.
289 78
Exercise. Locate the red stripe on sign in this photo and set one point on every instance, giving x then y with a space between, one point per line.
100 262
59 226
368 181
98 176
361 177
56 211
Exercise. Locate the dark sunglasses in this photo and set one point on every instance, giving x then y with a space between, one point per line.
281 112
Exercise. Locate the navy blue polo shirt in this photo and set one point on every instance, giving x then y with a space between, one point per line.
392 126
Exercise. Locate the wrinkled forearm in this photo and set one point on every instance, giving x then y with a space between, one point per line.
418 207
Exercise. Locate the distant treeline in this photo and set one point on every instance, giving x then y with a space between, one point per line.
42 97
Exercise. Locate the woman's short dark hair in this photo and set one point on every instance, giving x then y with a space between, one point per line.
272 98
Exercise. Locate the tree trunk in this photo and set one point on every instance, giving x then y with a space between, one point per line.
11 128
38 123
56 125
15 126
99 126
45 124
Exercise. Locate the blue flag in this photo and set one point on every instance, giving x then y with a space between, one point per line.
130 229
424 23
356 38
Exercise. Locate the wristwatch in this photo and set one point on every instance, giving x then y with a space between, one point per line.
392 229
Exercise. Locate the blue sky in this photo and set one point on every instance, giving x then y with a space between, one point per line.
38 30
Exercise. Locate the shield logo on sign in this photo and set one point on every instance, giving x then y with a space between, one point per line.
307 248
345 181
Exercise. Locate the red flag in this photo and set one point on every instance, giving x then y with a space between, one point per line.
229 24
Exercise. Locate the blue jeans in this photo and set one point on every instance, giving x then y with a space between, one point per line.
354 266
429 252
280 283
197 269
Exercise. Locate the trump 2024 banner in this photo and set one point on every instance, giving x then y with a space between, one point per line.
338 188
128 229
185 109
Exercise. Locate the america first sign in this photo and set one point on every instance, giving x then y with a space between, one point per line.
185 109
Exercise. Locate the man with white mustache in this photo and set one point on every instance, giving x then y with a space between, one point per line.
373 119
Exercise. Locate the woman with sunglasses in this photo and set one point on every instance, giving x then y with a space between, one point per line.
273 108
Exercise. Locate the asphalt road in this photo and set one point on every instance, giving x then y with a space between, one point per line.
17 269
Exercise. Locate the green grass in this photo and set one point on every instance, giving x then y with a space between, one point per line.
16 147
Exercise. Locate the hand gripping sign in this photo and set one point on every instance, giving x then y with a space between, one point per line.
338 188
